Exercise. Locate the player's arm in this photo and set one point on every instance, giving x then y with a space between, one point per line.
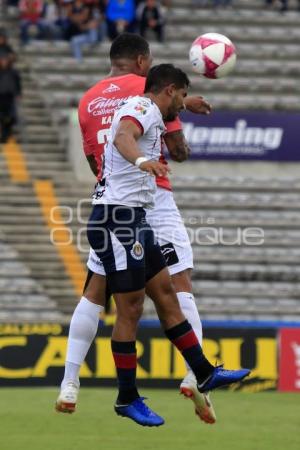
177 146
175 141
127 135
197 104
92 163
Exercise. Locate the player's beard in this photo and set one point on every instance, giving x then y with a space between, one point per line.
170 117
172 112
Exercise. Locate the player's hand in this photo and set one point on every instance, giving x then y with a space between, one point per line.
155 168
197 104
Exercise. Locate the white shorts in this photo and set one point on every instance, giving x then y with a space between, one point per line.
169 229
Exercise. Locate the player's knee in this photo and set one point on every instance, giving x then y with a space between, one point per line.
132 310
135 311
167 290
95 294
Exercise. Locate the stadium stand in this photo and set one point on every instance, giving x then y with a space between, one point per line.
266 43
22 298
230 281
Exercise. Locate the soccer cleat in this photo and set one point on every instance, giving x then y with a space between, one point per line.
221 377
203 407
140 413
67 399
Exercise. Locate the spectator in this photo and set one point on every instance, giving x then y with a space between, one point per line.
51 20
120 17
11 8
151 18
284 5
225 3
31 15
78 14
5 48
64 12
10 91
84 25
201 2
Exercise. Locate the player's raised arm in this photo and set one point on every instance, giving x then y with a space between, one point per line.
128 132
177 146
174 138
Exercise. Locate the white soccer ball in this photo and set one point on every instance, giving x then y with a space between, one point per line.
213 55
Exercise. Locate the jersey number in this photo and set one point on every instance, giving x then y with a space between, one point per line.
102 136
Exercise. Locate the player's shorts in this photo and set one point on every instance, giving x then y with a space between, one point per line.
169 229
167 224
125 245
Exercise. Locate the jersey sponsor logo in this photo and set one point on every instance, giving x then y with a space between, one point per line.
170 254
141 109
137 251
111 88
102 105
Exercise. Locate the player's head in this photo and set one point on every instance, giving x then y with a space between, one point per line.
171 84
131 52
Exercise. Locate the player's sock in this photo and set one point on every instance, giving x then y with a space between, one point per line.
184 338
124 354
83 329
190 311
71 374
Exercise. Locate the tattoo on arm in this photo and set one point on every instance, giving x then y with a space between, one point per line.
177 146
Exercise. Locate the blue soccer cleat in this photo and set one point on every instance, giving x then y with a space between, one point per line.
140 413
221 377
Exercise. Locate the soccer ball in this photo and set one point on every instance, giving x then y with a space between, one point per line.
213 55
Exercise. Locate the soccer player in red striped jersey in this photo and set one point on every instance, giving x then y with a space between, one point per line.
131 60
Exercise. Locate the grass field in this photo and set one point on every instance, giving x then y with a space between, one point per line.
245 422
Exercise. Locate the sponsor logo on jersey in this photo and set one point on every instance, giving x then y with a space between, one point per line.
141 108
102 105
111 88
137 251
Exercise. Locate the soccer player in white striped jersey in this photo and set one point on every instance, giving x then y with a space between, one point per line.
131 59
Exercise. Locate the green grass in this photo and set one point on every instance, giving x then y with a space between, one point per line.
260 421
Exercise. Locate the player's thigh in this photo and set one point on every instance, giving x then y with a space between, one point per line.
182 281
160 289
95 288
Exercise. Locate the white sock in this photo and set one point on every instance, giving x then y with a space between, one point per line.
82 332
190 311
